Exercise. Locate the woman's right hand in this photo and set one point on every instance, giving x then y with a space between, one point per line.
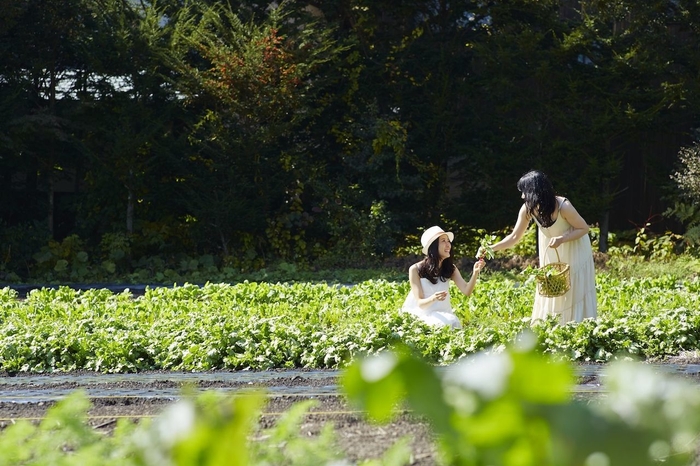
440 296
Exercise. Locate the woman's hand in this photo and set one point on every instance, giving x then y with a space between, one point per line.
478 265
555 241
440 296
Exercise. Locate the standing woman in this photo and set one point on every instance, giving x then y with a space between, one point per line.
561 228
429 298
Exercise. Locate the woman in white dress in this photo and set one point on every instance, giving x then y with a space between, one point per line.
429 298
562 228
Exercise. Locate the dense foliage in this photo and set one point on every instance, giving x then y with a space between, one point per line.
322 325
687 178
136 134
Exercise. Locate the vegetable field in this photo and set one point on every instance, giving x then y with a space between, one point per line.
318 325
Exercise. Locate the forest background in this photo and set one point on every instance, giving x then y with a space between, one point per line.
239 135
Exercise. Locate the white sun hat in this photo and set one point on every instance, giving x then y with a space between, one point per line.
433 233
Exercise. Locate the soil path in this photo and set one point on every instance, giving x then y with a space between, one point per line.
136 396
357 439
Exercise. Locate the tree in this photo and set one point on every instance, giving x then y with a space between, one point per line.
40 49
409 115
251 82
637 74
133 125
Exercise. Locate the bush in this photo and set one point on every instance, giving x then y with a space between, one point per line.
687 179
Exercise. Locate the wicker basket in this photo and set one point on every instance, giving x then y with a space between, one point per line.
554 280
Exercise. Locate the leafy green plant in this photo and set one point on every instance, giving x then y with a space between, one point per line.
689 215
65 260
636 267
527 246
508 406
656 247
116 252
263 325
514 408
643 243
485 251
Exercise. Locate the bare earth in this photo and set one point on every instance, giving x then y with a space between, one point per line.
357 438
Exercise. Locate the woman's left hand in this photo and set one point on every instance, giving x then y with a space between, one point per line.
556 241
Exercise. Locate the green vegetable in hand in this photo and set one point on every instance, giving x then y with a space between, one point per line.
485 251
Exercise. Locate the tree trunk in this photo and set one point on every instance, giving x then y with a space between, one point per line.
604 227
50 219
130 207
224 243
52 107
130 212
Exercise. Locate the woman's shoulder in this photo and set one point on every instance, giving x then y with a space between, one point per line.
414 268
564 203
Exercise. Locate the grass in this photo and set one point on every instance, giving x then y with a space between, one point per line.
683 266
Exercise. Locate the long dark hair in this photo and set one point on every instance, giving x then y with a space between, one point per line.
431 268
540 198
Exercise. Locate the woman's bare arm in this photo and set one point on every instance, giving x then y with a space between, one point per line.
466 287
578 224
516 235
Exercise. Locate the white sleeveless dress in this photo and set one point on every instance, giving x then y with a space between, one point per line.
580 301
439 313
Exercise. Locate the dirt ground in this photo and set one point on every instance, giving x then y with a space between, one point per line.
356 438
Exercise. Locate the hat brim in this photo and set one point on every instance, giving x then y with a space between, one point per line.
450 236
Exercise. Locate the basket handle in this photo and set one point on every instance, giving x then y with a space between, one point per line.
557 252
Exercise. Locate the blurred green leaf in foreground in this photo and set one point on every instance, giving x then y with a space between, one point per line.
515 408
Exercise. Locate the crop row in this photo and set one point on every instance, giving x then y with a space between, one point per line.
317 325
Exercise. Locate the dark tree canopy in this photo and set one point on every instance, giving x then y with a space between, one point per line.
330 130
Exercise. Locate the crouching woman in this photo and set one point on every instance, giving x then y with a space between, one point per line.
429 298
